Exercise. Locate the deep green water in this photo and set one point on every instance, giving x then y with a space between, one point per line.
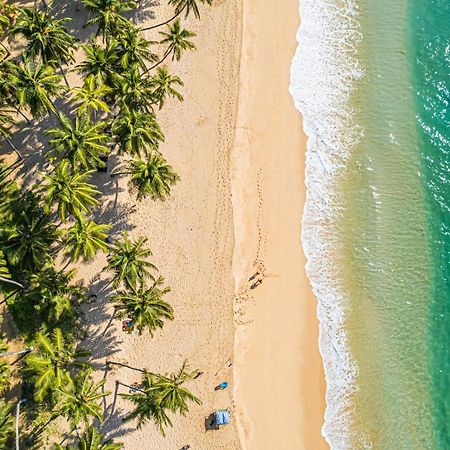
395 228
372 79
430 48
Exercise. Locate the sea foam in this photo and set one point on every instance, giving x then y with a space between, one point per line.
323 75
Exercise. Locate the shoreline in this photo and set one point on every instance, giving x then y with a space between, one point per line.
279 381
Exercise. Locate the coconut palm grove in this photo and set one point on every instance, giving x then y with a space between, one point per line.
47 212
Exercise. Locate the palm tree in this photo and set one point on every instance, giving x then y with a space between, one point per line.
92 439
100 63
52 294
135 90
47 38
148 407
133 50
27 234
180 6
5 276
190 6
164 86
52 366
70 191
8 14
91 96
109 16
86 238
178 40
137 132
128 261
6 423
79 141
36 87
5 371
153 177
161 393
144 306
79 400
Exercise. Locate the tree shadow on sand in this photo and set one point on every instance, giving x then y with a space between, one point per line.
101 340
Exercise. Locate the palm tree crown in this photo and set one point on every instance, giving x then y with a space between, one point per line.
128 260
6 423
100 63
79 400
161 393
137 132
27 234
92 439
79 141
144 306
190 6
47 38
109 17
51 366
85 239
36 87
52 294
152 178
5 371
91 96
133 49
135 90
178 40
164 86
70 191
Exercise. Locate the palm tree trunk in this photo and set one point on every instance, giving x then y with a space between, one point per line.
133 388
17 422
7 280
22 352
13 147
167 21
168 51
126 365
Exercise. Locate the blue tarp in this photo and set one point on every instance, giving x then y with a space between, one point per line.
222 417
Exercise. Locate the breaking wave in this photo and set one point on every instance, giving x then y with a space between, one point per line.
323 75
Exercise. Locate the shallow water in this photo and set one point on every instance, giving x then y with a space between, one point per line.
371 78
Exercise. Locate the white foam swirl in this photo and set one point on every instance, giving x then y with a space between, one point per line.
323 74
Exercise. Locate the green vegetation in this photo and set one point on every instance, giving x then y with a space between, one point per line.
6 423
144 306
51 200
160 394
92 439
128 261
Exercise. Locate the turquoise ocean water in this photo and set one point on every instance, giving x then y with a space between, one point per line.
372 79
430 50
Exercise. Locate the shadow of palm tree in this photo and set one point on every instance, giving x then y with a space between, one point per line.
116 214
102 342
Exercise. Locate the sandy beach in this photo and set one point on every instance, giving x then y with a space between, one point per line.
279 381
191 236
237 144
